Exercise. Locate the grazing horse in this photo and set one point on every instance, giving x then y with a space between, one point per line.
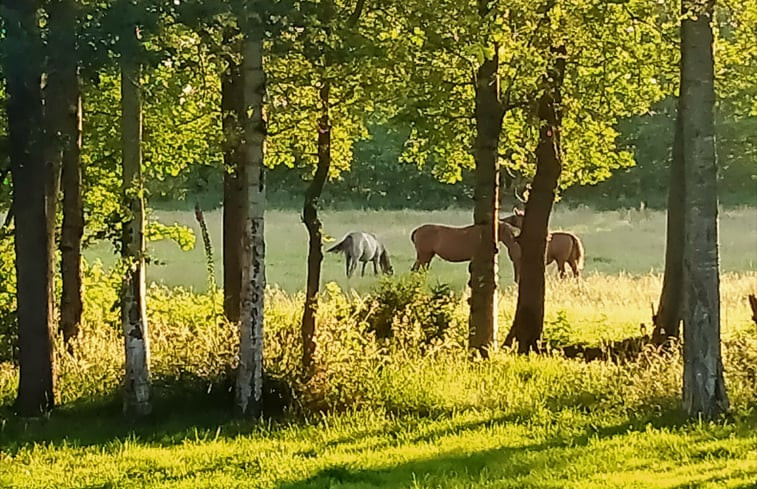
457 244
562 247
358 246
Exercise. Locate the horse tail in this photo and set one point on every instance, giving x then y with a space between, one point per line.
343 245
579 251
412 235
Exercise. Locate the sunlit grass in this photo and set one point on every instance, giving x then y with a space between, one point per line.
626 241
386 414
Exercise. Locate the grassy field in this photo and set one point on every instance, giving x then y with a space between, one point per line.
404 413
368 450
616 242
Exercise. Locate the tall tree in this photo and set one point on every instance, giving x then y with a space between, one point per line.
528 322
450 47
249 383
315 232
232 105
328 52
137 398
669 312
704 392
23 62
63 111
488 114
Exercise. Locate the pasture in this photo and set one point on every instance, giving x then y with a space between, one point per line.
409 413
626 241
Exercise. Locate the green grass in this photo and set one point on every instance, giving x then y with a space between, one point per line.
369 449
401 413
616 241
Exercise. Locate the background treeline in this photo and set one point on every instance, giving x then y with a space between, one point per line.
378 179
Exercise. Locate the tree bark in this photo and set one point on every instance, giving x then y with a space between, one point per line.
63 102
232 105
137 396
668 316
704 392
528 322
483 266
23 71
315 234
249 383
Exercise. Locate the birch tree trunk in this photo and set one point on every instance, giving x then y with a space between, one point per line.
704 392
315 233
23 72
63 103
528 322
249 384
137 398
232 105
483 266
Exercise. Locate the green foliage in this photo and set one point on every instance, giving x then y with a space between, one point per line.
417 315
650 137
601 41
8 327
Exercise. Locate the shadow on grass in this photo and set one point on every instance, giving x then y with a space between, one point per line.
98 422
503 466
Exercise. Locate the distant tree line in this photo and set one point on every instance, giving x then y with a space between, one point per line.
378 180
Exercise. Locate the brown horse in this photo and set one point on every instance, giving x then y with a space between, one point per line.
457 244
562 247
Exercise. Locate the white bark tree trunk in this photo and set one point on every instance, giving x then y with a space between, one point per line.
249 386
133 313
704 391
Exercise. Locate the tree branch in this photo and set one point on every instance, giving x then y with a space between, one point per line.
355 17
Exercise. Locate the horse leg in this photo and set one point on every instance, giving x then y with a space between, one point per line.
347 265
375 265
362 272
422 260
574 267
561 267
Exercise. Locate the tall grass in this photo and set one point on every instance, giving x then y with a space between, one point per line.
416 367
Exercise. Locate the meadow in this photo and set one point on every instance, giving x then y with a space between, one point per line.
411 411
624 241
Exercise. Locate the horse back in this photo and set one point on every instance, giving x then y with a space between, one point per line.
565 246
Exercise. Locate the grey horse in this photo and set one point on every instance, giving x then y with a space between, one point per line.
358 246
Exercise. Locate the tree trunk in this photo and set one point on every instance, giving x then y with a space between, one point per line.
23 71
704 392
668 317
483 266
528 322
232 105
249 384
52 190
63 103
315 235
133 312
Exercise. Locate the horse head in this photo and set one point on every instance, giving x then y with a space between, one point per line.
516 219
386 265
